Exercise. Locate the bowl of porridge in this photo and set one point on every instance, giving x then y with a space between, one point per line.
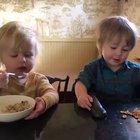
15 107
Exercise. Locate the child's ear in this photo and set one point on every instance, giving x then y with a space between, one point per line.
98 45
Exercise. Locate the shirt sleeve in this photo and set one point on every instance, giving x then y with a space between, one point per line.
88 75
47 92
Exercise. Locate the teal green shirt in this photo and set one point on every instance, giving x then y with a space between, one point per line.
100 79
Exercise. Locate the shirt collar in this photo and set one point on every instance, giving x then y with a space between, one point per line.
124 64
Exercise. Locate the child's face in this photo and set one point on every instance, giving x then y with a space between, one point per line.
19 59
115 52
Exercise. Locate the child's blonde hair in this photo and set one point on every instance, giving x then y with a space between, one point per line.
116 26
18 33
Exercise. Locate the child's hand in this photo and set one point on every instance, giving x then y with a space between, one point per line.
3 79
39 109
84 101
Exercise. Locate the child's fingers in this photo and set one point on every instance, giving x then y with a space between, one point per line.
2 73
90 98
87 107
34 113
87 102
39 109
84 103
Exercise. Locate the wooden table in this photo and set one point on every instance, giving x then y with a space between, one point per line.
67 122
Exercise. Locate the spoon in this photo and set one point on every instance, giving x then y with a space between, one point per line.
18 76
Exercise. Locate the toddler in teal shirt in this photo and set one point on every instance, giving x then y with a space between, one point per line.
111 76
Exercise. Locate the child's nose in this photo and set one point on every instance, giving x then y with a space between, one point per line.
118 52
22 58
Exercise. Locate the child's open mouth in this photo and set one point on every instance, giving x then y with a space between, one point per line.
116 60
22 69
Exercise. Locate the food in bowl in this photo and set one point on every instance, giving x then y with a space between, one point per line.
16 107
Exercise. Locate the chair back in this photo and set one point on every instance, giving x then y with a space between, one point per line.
65 96
62 83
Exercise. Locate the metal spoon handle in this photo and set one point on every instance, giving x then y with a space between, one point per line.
13 74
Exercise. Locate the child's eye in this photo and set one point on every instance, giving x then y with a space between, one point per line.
28 55
126 49
113 47
14 55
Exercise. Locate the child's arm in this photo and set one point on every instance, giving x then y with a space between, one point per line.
46 97
83 99
43 103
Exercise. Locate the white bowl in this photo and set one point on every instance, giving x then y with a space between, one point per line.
11 100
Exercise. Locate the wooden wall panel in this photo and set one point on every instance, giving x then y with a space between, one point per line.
61 58
65 56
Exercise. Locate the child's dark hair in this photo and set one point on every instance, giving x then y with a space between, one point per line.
116 26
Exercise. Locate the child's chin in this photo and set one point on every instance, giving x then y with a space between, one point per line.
116 63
